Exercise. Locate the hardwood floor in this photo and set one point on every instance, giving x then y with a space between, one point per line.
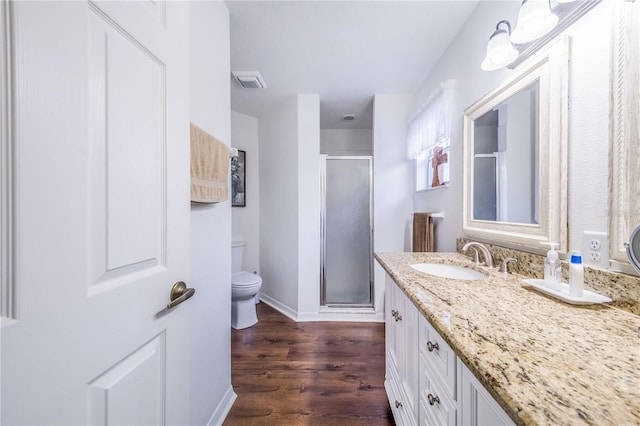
310 373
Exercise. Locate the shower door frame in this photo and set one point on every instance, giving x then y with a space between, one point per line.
323 234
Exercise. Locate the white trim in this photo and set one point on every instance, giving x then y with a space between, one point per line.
326 314
550 68
7 290
279 306
224 406
334 315
624 171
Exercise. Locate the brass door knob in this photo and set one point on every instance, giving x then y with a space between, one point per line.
179 293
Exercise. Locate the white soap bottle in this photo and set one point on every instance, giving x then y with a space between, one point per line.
552 264
576 275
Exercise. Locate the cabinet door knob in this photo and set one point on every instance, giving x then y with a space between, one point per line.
433 399
398 404
398 317
432 346
394 313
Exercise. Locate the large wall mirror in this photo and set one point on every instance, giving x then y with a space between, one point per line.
515 156
624 167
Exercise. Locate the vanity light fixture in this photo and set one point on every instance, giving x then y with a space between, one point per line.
500 50
535 19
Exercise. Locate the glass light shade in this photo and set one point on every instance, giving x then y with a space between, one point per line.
500 52
535 19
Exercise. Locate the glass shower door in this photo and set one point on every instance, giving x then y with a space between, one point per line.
347 258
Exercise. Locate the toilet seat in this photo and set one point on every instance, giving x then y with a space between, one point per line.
245 279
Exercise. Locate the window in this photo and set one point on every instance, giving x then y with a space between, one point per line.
428 138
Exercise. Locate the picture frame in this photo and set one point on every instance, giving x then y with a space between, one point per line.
238 179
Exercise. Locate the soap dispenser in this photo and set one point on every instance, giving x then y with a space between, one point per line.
552 264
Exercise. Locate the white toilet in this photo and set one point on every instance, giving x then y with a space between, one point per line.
244 289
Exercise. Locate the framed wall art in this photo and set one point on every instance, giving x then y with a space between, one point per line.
238 179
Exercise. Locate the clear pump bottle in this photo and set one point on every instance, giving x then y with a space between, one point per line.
552 264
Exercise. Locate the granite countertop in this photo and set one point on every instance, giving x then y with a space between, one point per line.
544 361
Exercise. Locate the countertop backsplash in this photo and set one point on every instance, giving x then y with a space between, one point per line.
622 288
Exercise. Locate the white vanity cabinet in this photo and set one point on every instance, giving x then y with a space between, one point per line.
426 382
401 377
438 398
476 405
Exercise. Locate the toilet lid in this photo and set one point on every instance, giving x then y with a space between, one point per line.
244 278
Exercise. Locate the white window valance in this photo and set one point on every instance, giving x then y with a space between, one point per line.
431 124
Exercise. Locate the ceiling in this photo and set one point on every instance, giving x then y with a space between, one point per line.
345 51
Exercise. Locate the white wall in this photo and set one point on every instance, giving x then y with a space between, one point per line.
393 181
278 135
588 115
246 220
211 394
346 141
290 206
308 204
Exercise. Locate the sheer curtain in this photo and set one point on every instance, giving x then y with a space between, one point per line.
430 126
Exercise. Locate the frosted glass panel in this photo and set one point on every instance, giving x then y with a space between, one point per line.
348 257
485 193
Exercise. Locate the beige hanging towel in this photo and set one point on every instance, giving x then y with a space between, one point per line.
422 232
209 167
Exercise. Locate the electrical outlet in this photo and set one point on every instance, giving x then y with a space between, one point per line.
595 249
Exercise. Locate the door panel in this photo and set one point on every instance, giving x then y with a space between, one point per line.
128 123
140 373
347 253
101 214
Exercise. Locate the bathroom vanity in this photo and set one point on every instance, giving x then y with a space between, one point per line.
491 351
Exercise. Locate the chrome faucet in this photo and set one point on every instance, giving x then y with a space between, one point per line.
488 260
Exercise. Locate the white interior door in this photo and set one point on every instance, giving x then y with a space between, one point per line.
101 214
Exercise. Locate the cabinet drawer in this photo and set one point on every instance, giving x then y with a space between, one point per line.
439 356
401 412
436 408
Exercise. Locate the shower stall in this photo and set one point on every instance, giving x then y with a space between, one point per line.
346 273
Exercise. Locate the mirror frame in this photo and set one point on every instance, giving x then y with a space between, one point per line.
551 67
624 170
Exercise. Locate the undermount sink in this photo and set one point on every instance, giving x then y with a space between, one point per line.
449 271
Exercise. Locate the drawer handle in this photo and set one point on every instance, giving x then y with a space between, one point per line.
398 404
433 399
432 346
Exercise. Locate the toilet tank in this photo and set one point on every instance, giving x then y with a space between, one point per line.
237 252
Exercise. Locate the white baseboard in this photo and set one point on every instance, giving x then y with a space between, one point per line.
371 316
223 408
334 314
278 306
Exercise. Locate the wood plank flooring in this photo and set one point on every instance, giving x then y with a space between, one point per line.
309 373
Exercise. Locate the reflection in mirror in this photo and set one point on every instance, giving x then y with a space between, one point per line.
505 163
515 162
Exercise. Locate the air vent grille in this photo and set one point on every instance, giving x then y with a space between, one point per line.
250 79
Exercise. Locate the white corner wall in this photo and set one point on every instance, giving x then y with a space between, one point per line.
392 181
246 220
308 204
211 394
588 116
290 207
278 136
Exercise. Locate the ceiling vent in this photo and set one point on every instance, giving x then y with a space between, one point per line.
250 79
